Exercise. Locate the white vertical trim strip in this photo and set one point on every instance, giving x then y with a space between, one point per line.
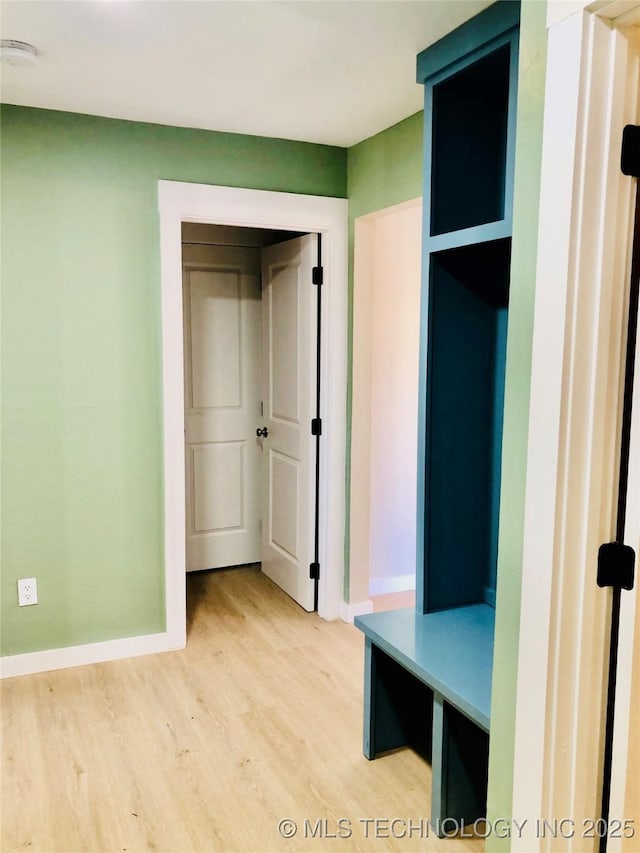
559 10
630 603
174 427
361 399
333 406
578 632
558 158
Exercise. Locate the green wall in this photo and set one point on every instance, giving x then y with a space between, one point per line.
384 170
82 492
531 79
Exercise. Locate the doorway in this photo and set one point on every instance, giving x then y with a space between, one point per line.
229 206
250 355
386 327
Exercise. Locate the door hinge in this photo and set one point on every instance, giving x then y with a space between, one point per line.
317 276
616 564
314 571
316 426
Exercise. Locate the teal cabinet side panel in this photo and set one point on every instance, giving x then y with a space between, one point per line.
500 366
423 372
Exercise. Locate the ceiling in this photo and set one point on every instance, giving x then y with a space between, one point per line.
329 71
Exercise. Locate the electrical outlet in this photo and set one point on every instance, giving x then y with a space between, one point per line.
27 591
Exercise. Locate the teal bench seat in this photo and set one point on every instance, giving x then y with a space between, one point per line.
428 686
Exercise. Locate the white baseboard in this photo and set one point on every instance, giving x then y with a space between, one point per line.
358 608
399 583
50 659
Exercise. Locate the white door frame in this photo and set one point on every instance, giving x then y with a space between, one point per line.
182 202
577 362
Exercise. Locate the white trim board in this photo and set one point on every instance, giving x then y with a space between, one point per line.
359 608
398 583
50 659
181 202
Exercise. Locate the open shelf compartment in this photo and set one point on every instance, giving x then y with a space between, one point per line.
465 393
469 144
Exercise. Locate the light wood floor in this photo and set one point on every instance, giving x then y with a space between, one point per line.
207 749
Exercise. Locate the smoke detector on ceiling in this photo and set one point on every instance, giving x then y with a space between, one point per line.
17 53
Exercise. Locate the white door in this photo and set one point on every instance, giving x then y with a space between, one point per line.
289 311
222 307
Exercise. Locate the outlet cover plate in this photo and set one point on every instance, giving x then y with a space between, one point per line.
27 591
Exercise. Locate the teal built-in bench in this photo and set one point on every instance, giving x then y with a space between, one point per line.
428 686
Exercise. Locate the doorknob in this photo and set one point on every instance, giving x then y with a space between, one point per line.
262 432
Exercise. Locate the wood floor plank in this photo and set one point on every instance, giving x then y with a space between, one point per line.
206 749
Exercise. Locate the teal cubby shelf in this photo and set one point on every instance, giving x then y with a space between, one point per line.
468 149
428 670
466 352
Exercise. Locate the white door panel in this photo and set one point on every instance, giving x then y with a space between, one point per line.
289 346
223 353
285 494
284 317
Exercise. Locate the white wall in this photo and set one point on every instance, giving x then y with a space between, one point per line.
385 399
